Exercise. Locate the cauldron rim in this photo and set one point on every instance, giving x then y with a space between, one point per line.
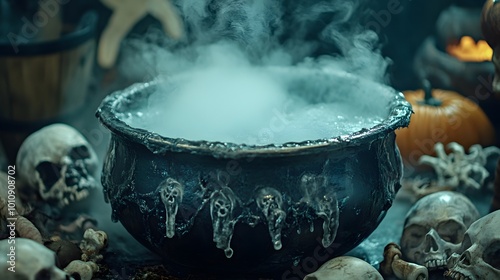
398 117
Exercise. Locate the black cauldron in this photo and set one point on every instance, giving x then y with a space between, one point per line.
231 209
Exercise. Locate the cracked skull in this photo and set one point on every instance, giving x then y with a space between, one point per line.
435 227
345 268
480 251
58 164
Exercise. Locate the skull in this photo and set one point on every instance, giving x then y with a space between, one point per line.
480 258
270 203
434 228
171 193
222 206
58 164
29 260
345 268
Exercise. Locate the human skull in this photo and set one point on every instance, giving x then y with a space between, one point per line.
345 268
30 261
58 165
435 227
480 251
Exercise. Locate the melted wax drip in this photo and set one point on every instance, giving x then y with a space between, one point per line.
222 205
316 190
275 221
270 201
328 210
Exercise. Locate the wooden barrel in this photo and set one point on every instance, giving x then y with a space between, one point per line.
44 82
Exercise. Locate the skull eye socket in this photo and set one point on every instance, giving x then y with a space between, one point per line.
80 152
451 231
414 235
491 254
43 274
49 173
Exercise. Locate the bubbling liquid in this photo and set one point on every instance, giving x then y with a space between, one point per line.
261 105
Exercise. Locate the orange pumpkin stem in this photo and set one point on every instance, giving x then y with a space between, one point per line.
429 99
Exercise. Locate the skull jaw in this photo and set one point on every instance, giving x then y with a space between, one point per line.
435 261
458 273
60 194
475 270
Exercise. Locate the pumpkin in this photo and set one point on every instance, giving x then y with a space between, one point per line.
442 116
490 22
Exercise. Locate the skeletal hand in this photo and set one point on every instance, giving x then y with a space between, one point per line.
126 13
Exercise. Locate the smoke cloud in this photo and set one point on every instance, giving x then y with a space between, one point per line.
222 83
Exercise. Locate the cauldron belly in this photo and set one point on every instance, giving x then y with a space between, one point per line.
314 193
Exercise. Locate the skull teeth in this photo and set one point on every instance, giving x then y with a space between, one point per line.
455 275
435 264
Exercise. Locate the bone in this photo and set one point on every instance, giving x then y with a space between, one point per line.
83 222
92 244
126 14
458 170
394 265
83 270
25 228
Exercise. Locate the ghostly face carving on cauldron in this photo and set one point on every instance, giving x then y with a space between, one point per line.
480 257
270 202
171 193
435 227
222 206
58 164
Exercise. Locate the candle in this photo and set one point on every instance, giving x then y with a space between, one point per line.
469 50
